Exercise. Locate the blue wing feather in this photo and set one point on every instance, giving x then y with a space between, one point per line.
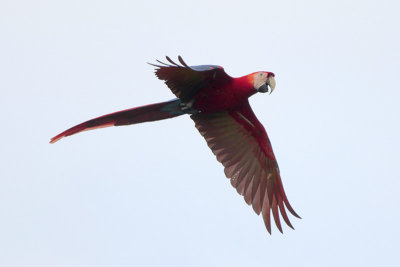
206 67
186 81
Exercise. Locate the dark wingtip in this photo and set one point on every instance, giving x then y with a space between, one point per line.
163 64
286 201
154 65
182 62
269 230
267 219
171 61
292 211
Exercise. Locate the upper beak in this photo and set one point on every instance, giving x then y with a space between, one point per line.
271 82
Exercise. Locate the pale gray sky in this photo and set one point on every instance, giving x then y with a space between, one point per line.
154 194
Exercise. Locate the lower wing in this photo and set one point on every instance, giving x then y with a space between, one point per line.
241 144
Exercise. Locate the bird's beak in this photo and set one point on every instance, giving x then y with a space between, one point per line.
271 83
263 88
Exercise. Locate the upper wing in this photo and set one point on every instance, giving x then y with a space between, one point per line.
241 144
185 81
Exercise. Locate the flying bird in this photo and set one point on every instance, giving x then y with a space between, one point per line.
218 104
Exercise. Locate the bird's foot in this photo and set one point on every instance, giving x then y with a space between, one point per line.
187 107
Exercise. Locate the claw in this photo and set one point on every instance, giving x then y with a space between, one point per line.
187 107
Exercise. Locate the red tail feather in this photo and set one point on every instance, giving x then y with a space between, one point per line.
153 112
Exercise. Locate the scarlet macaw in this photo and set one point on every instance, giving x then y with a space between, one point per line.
218 104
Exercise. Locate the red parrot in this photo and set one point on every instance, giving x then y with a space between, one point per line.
218 104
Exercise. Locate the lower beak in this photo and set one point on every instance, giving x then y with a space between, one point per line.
270 83
263 88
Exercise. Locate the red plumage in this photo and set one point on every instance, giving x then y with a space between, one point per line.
219 106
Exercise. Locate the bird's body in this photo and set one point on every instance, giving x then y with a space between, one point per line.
226 96
218 104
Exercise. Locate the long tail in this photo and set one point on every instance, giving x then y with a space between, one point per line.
153 112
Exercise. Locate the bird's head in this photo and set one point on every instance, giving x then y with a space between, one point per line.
262 80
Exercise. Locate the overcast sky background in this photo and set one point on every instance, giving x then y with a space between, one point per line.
154 194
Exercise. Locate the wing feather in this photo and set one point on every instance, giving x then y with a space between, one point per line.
185 81
241 144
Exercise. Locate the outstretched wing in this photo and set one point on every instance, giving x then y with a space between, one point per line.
185 81
241 144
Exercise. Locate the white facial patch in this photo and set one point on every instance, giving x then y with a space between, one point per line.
260 78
